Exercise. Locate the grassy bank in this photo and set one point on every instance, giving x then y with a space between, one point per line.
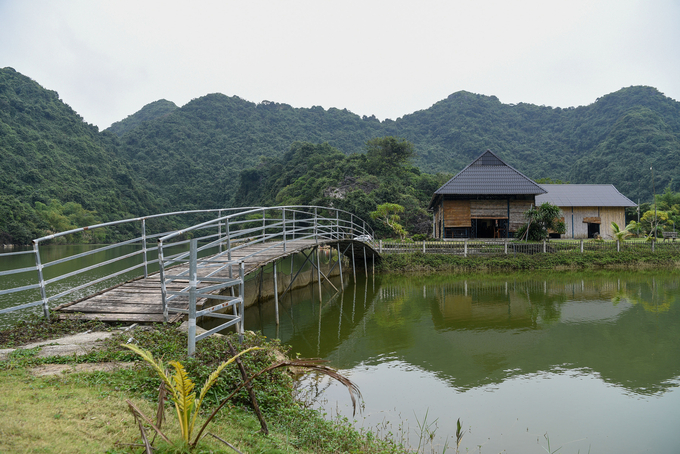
87 411
419 262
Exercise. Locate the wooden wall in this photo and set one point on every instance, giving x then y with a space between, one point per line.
457 213
489 209
577 218
517 210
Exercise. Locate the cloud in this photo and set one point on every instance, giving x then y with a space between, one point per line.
107 59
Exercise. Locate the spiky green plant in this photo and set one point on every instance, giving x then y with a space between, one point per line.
181 389
620 234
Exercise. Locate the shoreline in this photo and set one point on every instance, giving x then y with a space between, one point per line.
417 262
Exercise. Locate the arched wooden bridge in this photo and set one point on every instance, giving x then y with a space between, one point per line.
206 260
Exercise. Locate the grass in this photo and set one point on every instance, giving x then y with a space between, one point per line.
86 412
419 262
76 416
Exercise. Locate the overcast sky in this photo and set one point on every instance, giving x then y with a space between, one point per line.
107 59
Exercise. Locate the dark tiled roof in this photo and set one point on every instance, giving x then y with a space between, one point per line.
489 175
583 195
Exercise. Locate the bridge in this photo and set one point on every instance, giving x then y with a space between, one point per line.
195 271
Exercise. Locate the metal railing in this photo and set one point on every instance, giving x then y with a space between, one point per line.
86 272
85 275
272 227
505 247
213 244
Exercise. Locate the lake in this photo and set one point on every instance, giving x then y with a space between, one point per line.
589 362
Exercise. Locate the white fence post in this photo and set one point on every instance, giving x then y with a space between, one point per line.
465 248
581 246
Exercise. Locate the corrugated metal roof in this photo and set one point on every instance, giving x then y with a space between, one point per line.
489 175
583 195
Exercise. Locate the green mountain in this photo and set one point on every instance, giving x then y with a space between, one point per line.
150 112
166 157
49 153
614 140
193 156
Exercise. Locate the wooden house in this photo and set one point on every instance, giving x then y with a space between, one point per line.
487 199
587 209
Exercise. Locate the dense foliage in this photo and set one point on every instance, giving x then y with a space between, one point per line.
150 112
49 153
318 174
166 157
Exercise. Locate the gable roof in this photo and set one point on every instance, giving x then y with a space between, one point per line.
489 175
583 195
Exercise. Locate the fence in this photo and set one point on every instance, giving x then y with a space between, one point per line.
82 273
505 247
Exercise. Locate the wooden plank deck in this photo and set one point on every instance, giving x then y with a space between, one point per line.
140 300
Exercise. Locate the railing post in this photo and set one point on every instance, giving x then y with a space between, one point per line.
294 228
365 263
544 246
354 266
581 246
276 294
423 246
284 238
146 269
337 226
264 223
316 238
342 279
241 293
653 244
219 229
465 248
380 247
318 271
228 242
41 280
191 332
506 246
618 246
161 270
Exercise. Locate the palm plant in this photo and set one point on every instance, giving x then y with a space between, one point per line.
620 235
181 392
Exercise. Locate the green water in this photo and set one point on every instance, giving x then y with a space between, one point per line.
590 359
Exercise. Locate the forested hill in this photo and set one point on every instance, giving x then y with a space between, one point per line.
51 157
150 112
166 157
614 140
194 155
196 152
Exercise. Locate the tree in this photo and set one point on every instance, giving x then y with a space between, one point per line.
388 153
541 220
621 235
387 213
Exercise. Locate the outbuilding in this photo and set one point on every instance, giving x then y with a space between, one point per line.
588 209
487 199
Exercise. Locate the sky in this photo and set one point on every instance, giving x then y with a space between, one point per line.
107 59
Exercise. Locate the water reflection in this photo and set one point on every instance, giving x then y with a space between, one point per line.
604 337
